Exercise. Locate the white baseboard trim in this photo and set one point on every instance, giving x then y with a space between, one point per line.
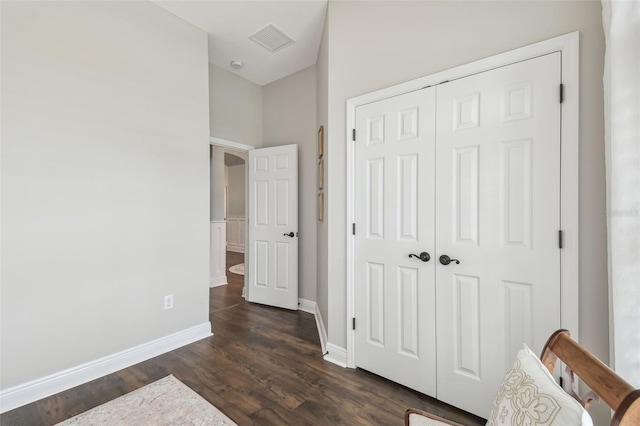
311 307
34 390
308 306
218 281
336 355
322 332
235 249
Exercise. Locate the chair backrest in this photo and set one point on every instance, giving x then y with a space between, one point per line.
611 388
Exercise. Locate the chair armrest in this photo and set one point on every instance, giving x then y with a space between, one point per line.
415 417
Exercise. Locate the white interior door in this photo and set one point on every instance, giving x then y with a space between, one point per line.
498 213
395 299
272 252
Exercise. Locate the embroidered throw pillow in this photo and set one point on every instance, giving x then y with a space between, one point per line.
530 396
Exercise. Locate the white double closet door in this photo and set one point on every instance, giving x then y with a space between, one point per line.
469 169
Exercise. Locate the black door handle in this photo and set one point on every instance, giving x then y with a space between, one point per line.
445 260
290 234
424 256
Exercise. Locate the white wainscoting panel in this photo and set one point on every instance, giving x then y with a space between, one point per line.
218 263
235 234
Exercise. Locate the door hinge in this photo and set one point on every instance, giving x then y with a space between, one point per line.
560 238
353 228
561 93
353 135
353 323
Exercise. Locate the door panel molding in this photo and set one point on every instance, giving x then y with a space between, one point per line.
568 46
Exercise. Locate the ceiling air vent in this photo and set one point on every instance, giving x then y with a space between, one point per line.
271 38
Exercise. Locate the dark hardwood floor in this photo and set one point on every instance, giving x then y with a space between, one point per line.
263 366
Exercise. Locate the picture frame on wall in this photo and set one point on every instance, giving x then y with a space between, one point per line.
321 142
321 207
321 174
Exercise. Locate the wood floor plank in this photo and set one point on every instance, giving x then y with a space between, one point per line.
263 366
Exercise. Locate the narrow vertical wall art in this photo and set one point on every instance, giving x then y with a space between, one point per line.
321 142
320 206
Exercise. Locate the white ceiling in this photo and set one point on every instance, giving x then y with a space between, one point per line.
230 24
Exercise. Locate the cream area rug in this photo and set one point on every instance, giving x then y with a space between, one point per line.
165 402
237 269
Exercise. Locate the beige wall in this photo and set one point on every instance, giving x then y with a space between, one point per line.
105 200
217 185
289 117
236 190
373 45
235 112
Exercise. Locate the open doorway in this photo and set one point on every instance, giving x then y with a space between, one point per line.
228 215
235 207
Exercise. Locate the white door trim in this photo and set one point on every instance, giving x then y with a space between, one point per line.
568 45
230 144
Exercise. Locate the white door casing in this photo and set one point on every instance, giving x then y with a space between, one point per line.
272 247
568 46
498 213
394 192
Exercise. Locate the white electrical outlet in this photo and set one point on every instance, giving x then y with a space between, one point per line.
168 302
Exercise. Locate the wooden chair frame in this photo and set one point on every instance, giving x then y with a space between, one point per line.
623 399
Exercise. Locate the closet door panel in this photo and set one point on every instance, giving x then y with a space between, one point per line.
394 194
497 213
